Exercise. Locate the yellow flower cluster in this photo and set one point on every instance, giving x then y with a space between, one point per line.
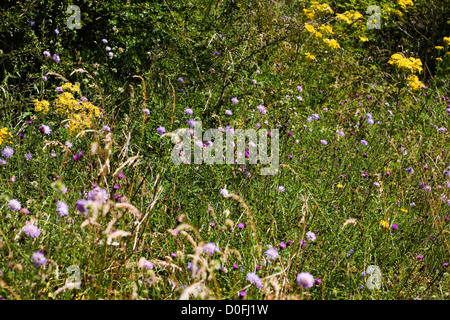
321 7
4 134
412 65
414 82
310 56
326 29
349 16
439 47
404 3
41 106
310 28
333 44
447 40
384 223
309 13
79 112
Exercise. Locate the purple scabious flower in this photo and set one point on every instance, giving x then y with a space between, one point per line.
161 130
241 225
31 230
107 48
282 245
38 258
110 54
323 142
305 280
180 79
315 116
68 144
234 100
255 279
409 170
56 58
2 161
211 248
47 53
364 142
56 31
419 256
311 236
262 109
281 188
14 205
148 265
299 88
271 253
394 226
104 41
8 152
82 206
28 156
188 111
146 111
45 129
191 122
216 53
228 112
341 133
106 128
98 195
62 209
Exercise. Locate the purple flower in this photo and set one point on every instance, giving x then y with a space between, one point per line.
364 142
216 53
31 230
281 188
45 129
161 130
107 48
56 58
419 256
82 206
8 152
299 88
305 280
258 72
56 31
28 156
188 111
241 225
47 53
14 205
146 111
68 144
228 112
315 116
106 128
341 133
311 236
262 109
148 265
111 54
38 258
211 248
180 79
323 142
62 209
191 122
31 22
121 175
105 41
394 226
255 279
44 78
98 194
409 170
271 253
282 245
234 100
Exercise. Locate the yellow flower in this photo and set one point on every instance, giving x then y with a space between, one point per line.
439 59
309 13
404 210
404 3
384 223
309 28
363 39
412 65
310 56
340 186
4 134
439 47
414 82
321 7
349 16
326 29
447 40
332 43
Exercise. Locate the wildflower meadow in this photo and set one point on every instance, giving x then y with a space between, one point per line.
224 150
